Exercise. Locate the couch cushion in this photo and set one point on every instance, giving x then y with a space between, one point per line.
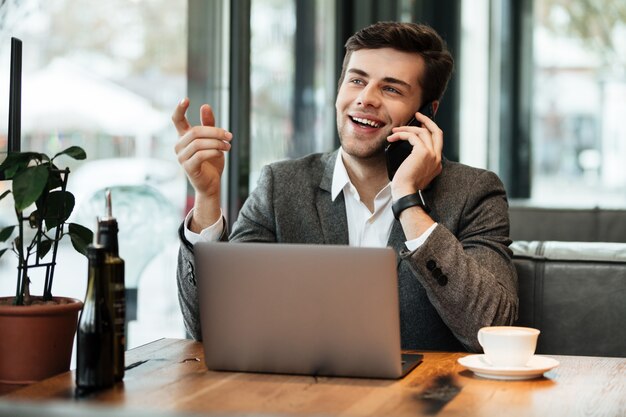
575 293
567 224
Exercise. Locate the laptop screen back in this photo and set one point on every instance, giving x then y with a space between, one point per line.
299 309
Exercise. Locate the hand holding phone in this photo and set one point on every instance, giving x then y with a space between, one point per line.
397 152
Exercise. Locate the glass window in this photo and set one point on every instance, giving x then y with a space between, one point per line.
292 81
105 75
473 73
579 136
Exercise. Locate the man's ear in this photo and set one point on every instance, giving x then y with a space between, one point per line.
435 107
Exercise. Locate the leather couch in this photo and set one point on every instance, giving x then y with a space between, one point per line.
575 294
566 224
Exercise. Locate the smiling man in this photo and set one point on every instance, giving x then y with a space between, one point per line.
447 222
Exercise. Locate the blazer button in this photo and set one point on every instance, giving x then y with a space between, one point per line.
437 273
442 280
430 265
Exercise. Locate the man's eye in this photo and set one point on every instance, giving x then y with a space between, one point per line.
357 81
391 90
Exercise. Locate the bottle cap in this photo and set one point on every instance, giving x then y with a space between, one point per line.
108 223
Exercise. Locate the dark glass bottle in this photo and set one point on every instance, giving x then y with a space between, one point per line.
94 355
114 270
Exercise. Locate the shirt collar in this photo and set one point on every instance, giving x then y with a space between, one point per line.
341 179
340 176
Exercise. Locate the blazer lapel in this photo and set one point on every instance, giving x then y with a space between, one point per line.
331 214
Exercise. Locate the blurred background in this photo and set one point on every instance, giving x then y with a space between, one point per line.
538 96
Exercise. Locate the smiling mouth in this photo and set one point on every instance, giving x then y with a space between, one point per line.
365 122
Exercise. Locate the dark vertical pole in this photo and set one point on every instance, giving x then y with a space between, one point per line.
520 150
15 97
304 91
344 29
239 155
515 95
445 17
447 22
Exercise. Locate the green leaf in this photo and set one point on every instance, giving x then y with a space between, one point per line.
44 247
75 152
6 233
54 179
18 161
81 237
28 185
59 207
54 182
2 251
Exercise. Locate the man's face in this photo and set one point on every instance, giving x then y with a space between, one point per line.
380 90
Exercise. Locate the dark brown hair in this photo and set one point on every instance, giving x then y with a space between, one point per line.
408 37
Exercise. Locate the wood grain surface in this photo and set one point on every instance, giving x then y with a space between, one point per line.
170 375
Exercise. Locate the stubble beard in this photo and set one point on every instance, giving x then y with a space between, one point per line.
359 147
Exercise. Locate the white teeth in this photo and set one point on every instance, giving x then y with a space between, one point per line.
366 122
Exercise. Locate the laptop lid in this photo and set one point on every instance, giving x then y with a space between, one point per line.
300 309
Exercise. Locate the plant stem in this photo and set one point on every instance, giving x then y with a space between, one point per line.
18 300
22 266
57 237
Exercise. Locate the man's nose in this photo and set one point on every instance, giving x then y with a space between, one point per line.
369 96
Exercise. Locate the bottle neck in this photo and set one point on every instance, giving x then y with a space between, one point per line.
107 236
96 256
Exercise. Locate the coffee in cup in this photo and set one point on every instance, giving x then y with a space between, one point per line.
508 346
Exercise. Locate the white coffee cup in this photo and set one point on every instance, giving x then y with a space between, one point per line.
508 346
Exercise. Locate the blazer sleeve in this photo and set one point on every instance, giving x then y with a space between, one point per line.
255 223
470 278
186 282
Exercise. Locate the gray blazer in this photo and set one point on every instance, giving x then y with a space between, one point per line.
461 279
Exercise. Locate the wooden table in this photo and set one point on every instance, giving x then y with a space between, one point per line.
169 374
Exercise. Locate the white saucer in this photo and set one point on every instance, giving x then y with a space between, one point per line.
534 369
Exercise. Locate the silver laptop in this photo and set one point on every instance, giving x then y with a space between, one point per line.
300 309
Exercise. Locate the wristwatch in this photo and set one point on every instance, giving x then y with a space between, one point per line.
407 201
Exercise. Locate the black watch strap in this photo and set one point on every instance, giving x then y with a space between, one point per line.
407 201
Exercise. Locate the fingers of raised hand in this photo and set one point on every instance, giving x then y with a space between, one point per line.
416 136
210 139
202 132
193 165
207 118
431 138
179 118
425 146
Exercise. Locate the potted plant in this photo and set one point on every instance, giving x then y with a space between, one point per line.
37 332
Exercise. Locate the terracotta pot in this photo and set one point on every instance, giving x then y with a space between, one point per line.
36 341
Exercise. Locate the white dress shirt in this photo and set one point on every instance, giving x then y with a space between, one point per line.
364 227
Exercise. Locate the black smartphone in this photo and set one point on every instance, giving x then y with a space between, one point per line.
397 152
